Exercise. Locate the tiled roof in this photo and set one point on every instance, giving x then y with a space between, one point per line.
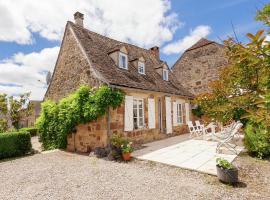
98 47
202 42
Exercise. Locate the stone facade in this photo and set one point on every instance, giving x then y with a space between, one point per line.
95 134
71 70
198 66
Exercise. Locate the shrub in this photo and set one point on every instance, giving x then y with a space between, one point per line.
32 131
257 140
57 120
14 144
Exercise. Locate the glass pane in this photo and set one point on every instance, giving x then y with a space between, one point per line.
135 120
140 103
140 112
141 121
135 113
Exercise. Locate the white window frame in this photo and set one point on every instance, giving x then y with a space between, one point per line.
179 113
165 74
138 125
120 60
141 67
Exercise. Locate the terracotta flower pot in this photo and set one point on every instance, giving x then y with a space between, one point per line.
227 175
126 156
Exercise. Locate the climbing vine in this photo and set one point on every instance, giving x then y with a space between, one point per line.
57 120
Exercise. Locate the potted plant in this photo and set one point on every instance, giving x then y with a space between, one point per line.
126 151
226 172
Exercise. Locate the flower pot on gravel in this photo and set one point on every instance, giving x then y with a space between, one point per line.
227 175
226 172
126 156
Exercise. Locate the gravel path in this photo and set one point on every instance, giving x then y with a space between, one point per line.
61 175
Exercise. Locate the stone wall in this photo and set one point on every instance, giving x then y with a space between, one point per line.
95 134
198 67
71 70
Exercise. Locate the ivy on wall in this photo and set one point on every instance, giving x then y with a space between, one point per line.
87 104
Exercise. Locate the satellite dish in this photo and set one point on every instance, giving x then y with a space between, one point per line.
48 77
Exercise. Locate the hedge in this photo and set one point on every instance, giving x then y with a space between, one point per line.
14 144
32 131
257 141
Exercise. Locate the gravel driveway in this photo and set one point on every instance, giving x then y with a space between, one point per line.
62 175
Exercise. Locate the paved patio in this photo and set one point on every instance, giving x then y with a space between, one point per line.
193 154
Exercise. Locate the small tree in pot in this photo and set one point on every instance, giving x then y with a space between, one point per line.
226 172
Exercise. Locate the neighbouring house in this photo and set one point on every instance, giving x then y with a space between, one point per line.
199 65
29 120
156 105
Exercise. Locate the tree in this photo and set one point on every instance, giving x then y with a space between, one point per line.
13 109
245 81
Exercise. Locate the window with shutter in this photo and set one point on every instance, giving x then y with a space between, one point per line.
138 113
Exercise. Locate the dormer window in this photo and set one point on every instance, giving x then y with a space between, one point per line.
165 75
123 60
141 67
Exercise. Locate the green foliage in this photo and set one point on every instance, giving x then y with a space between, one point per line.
14 144
13 109
127 148
198 112
117 140
3 125
257 140
225 164
32 131
85 105
264 15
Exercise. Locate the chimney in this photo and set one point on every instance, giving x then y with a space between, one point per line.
78 18
155 51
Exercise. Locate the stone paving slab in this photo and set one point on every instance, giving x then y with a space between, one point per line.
199 155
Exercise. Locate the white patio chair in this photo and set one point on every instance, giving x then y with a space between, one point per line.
199 125
210 129
193 130
224 140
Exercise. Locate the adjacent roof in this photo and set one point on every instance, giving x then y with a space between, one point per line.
98 47
202 42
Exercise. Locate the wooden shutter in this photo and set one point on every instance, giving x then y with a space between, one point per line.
168 115
187 112
128 113
151 113
175 113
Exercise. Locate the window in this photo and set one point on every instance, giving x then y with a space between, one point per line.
123 61
138 114
141 68
179 113
165 75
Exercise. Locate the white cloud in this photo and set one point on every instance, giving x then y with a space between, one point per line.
26 72
181 45
141 22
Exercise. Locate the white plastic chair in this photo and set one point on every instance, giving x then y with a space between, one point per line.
224 140
193 129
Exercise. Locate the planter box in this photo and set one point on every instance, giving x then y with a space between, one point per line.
227 175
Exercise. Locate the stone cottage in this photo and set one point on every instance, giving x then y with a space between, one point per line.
156 105
199 65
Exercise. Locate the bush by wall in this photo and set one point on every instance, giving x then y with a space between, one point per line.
257 140
57 120
32 131
14 144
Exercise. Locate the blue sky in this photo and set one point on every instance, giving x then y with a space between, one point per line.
29 41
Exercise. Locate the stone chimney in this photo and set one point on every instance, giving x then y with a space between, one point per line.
155 51
78 18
